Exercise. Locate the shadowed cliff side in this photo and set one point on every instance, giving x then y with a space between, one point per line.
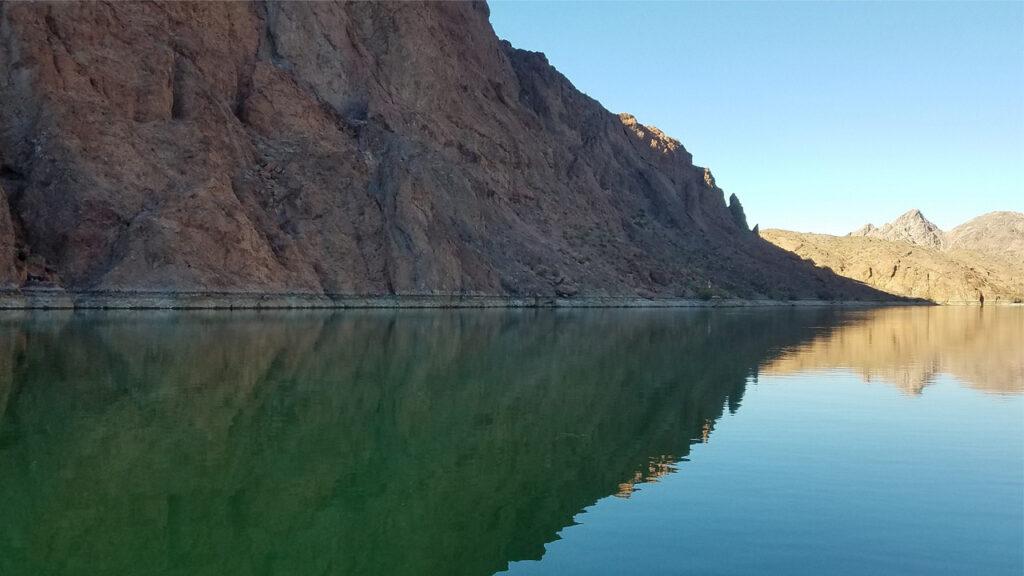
343 148
357 443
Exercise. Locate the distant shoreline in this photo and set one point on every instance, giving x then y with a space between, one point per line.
61 300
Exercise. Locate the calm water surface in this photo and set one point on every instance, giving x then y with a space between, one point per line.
650 442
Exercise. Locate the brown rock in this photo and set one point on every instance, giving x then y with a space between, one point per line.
9 274
942 276
995 233
356 148
911 228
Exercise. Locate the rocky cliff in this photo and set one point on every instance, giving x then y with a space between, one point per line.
328 148
980 259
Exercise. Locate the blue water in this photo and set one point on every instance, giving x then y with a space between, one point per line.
820 474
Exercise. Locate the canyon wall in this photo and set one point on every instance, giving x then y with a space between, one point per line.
336 148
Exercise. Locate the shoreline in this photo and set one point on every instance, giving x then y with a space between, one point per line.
111 300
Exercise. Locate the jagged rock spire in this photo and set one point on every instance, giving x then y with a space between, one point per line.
736 209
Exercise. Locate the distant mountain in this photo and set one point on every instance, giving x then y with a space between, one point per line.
995 233
911 256
912 228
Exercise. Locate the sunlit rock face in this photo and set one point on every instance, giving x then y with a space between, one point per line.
910 347
981 260
995 233
342 148
911 228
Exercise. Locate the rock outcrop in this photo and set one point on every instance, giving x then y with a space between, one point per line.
981 260
738 215
356 148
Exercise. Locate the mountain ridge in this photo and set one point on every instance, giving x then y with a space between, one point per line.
976 262
998 233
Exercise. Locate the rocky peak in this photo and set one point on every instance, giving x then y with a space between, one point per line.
911 227
913 218
864 230
736 209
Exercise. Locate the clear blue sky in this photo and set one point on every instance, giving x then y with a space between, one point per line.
819 116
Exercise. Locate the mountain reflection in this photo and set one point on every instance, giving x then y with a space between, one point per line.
352 443
909 347
376 442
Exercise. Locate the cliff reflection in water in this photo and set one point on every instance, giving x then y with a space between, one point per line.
356 443
411 442
909 347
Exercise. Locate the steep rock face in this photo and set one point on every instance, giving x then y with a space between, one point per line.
9 273
911 227
363 148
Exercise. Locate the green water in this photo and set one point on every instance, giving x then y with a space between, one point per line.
472 442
